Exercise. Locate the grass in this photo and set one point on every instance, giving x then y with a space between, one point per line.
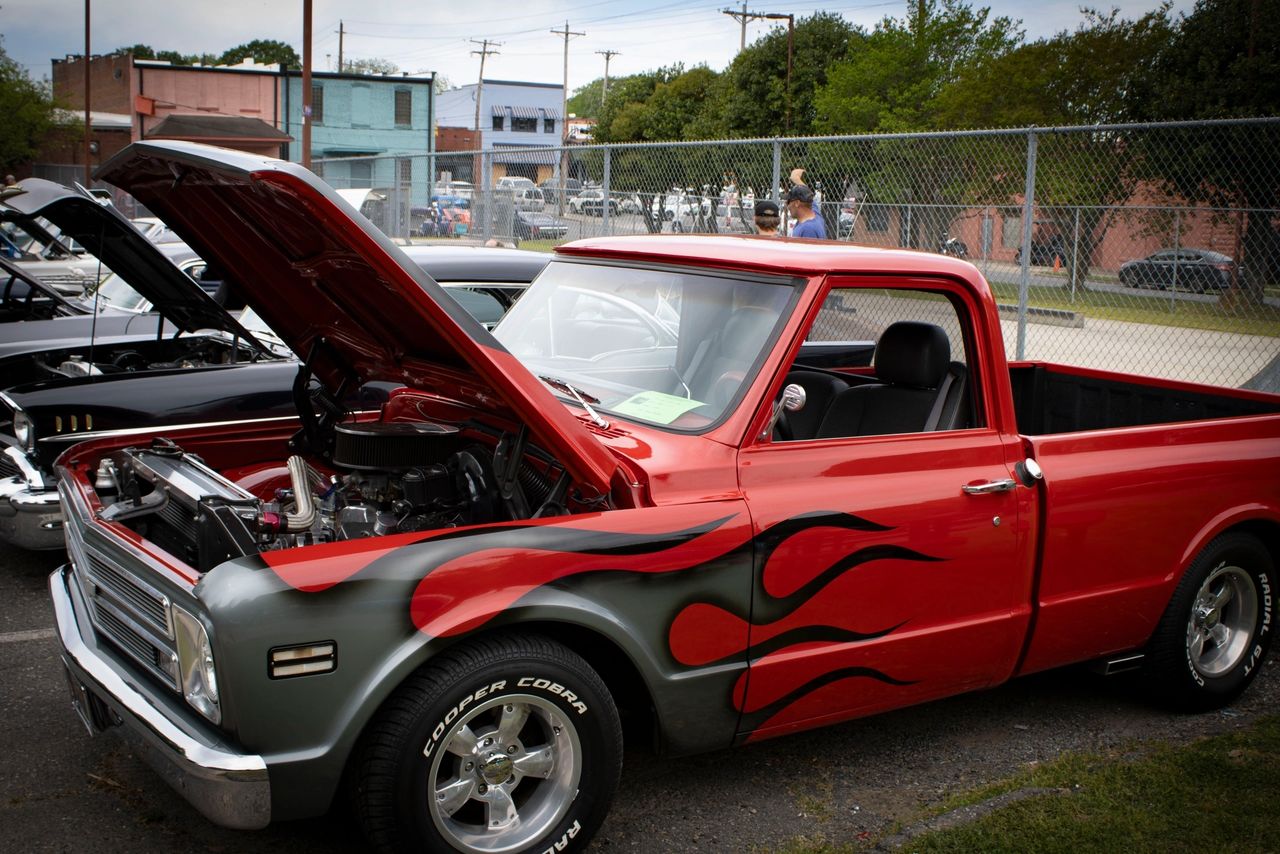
1219 792
540 245
1192 314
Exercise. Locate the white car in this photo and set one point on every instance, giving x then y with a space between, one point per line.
680 205
591 203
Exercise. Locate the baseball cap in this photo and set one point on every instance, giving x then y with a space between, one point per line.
800 193
766 207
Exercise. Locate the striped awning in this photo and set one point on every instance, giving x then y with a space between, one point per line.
550 113
500 111
524 112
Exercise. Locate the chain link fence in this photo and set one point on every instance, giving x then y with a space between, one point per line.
1146 248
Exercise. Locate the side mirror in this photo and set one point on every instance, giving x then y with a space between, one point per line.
794 397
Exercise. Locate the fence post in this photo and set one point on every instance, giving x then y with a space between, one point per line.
486 197
1028 223
777 171
1075 253
1177 250
606 225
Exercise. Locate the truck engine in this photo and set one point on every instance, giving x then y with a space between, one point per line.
382 478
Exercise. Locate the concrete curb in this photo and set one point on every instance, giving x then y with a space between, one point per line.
1050 316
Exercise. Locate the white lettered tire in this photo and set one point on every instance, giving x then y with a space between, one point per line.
507 744
1216 631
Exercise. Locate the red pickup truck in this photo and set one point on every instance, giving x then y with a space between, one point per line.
633 502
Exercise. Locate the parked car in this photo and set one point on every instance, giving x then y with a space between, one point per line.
539 226
528 199
552 186
591 203
515 182
679 205
39 420
447 607
1196 270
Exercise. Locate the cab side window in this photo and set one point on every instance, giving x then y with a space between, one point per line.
917 379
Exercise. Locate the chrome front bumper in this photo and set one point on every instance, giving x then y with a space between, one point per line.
229 788
30 511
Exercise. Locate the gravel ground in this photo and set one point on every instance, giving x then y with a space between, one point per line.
60 790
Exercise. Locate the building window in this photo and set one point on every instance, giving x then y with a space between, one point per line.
317 104
549 125
524 125
497 122
404 108
405 171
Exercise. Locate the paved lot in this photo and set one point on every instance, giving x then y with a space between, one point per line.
62 791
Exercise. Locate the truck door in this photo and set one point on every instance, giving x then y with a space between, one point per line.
894 550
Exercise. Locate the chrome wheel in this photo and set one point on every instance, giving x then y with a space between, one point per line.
1223 616
507 771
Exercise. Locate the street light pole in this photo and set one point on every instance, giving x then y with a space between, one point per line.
88 126
306 84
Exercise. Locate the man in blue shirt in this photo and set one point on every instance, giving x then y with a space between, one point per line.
800 208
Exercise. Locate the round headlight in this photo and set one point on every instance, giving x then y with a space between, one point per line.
24 430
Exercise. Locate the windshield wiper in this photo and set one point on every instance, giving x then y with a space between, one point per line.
579 396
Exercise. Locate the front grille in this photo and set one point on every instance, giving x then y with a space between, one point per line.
128 612
113 583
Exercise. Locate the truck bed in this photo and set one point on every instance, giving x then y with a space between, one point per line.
1051 399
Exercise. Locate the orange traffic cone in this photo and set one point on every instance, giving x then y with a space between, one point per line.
1057 263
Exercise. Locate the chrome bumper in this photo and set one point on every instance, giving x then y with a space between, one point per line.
229 788
30 518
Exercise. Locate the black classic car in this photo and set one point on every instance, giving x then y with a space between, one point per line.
38 420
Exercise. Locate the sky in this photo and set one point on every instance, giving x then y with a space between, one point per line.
421 38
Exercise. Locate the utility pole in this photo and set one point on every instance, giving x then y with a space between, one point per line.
608 55
306 84
483 52
88 126
341 33
742 18
564 116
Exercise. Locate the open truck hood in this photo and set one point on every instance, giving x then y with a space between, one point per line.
16 274
123 249
339 293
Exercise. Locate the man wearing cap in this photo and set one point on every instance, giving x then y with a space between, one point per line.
800 208
767 217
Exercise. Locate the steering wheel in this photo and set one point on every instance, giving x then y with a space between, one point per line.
725 386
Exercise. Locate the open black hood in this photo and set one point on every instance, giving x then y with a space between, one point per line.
123 249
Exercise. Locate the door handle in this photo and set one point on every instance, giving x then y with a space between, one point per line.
989 487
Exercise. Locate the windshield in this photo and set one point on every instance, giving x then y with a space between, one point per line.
258 328
675 349
117 293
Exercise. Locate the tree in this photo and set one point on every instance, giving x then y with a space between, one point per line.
31 117
751 98
891 81
1085 77
371 65
264 51
624 91
1223 62
588 101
